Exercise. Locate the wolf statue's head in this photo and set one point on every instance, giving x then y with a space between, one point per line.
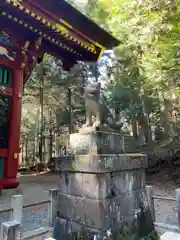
92 90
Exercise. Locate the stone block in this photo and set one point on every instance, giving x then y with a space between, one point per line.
99 142
129 204
95 186
102 189
100 186
125 228
10 230
103 213
74 227
103 163
71 226
60 161
170 235
127 181
132 208
71 183
92 213
60 228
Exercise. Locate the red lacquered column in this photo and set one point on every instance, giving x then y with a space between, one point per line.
11 180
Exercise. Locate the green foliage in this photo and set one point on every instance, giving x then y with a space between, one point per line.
47 91
144 78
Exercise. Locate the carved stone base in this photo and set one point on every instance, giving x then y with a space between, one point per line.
101 190
96 142
92 129
108 194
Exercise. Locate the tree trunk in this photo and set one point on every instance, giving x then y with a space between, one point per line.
22 153
134 129
26 151
117 113
51 135
144 126
164 118
70 110
41 79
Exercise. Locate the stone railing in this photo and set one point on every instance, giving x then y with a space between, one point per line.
11 230
173 223
13 227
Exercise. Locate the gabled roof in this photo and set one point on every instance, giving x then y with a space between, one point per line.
80 22
66 33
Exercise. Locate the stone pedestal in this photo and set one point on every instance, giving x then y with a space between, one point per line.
97 142
102 193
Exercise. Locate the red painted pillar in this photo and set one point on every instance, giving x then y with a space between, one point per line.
12 163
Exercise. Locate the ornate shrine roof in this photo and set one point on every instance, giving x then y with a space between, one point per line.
61 29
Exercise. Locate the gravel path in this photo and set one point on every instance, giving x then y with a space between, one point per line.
33 188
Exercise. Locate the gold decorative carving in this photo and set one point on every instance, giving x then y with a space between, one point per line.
62 29
38 43
91 46
22 65
24 49
65 23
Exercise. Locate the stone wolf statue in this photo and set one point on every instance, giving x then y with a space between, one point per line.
92 104
96 107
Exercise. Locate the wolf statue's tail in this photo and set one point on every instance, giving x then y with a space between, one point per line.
107 115
106 111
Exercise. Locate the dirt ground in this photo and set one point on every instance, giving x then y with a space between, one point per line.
35 189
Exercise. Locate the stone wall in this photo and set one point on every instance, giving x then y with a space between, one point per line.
103 193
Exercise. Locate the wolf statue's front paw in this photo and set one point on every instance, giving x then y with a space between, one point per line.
97 124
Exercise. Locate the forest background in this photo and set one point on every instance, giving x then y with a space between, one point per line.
141 83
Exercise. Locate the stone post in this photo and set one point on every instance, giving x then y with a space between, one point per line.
10 230
149 191
17 206
178 204
53 194
122 144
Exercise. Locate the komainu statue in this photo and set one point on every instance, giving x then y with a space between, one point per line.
92 104
96 107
